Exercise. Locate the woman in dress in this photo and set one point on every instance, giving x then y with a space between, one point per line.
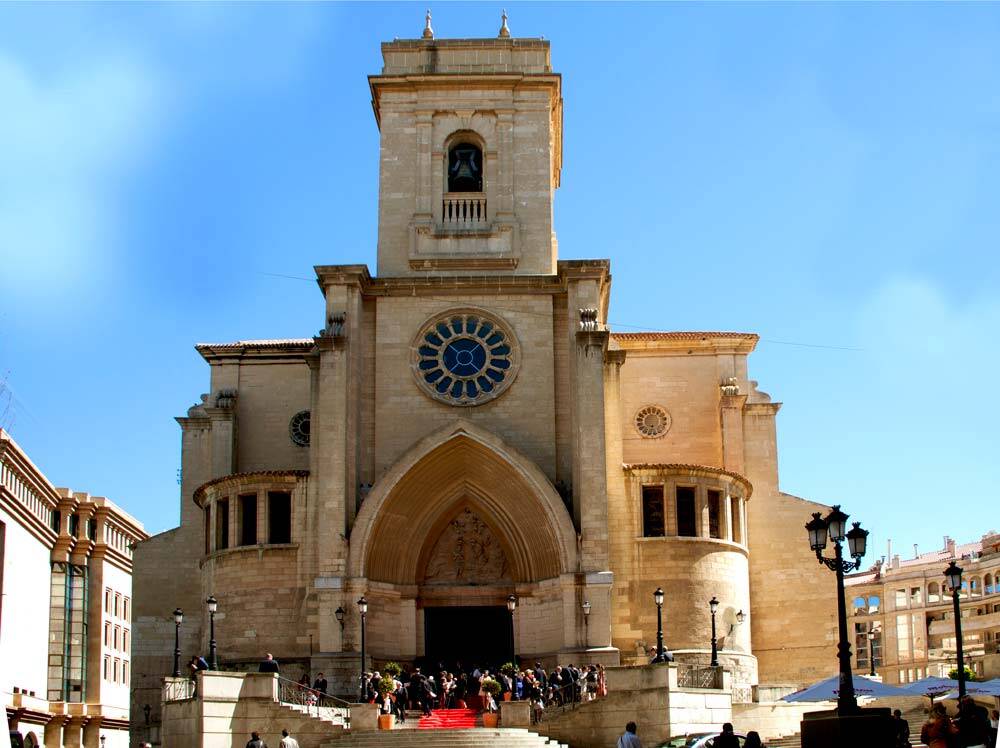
938 730
602 683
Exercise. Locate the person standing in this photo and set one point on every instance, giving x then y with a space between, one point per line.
753 740
602 682
268 664
728 738
938 731
320 684
255 741
629 739
287 741
973 724
901 729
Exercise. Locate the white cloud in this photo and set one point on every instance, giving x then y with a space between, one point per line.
66 140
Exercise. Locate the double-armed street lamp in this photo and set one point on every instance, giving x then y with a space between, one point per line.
363 609
658 599
954 576
834 527
178 619
713 605
213 605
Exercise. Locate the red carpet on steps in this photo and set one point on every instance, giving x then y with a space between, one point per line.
449 719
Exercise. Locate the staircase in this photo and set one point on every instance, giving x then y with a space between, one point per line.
915 718
481 737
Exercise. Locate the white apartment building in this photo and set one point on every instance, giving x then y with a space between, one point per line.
65 609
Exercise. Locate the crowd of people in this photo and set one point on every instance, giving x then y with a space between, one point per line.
971 726
459 688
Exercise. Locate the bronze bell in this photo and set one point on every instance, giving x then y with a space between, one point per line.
464 171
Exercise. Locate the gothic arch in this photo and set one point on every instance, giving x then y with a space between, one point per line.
456 466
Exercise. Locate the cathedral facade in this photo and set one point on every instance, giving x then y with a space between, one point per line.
464 430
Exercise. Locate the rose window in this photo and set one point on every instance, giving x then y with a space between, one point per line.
465 358
652 421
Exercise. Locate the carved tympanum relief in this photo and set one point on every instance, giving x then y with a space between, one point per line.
467 553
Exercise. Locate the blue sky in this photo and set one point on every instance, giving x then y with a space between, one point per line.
823 174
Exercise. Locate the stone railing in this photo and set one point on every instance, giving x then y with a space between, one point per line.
699 676
177 689
463 210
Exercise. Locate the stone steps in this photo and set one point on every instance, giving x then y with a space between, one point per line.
478 737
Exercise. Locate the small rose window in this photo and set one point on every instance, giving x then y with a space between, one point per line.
652 422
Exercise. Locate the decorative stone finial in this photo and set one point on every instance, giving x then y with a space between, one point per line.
504 31
428 31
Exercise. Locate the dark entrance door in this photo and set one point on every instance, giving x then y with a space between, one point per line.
471 635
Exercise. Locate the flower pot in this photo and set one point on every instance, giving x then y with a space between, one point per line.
386 721
491 719
507 695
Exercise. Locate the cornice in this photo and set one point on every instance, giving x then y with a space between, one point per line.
676 468
687 343
250 477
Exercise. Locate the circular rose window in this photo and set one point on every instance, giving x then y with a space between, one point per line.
652 422
298 428
465 357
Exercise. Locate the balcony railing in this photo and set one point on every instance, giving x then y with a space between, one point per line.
698 676
178 689
463 210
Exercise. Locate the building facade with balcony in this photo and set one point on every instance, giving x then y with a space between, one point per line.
909 607
464 427
65 609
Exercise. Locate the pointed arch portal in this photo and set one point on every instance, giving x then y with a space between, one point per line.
467 475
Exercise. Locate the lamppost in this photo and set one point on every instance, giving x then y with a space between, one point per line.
511 607
834 526
103 738
658 599
586 623
363 609
339 614
213 605
713 605
178 618
954 576
871 652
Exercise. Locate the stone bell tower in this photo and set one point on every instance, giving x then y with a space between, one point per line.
471 150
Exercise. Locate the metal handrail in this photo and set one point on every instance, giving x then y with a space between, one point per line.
561 699
315 702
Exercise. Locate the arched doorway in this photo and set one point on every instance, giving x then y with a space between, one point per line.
459 523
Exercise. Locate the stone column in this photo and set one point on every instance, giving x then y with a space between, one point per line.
731 404
423 212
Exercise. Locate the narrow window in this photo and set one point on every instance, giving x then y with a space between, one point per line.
56 521
248 519
118 605
107 634
686 525
279 517
221 524
714 503
737 520
107 668
653 525
208 530
126 609
74 525
92 529
125 641
124 672
118 635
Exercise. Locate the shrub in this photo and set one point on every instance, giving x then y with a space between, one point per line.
392 668
969 675
509 668
385 686
490 686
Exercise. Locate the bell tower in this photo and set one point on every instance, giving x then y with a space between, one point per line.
470 156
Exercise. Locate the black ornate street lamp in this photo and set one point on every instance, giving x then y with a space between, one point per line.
658 599
713 605
954 576
833 527
339 614
363 609
178 618
871 652
213 660
586 623
511 607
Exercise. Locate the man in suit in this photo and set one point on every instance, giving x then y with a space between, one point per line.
540 677
320 684
268 664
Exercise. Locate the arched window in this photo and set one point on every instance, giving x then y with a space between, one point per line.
975 588
873 603
932 592
860 606
988 584
465 168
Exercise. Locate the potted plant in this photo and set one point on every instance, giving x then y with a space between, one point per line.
393 669
509 669
491 687
386 687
